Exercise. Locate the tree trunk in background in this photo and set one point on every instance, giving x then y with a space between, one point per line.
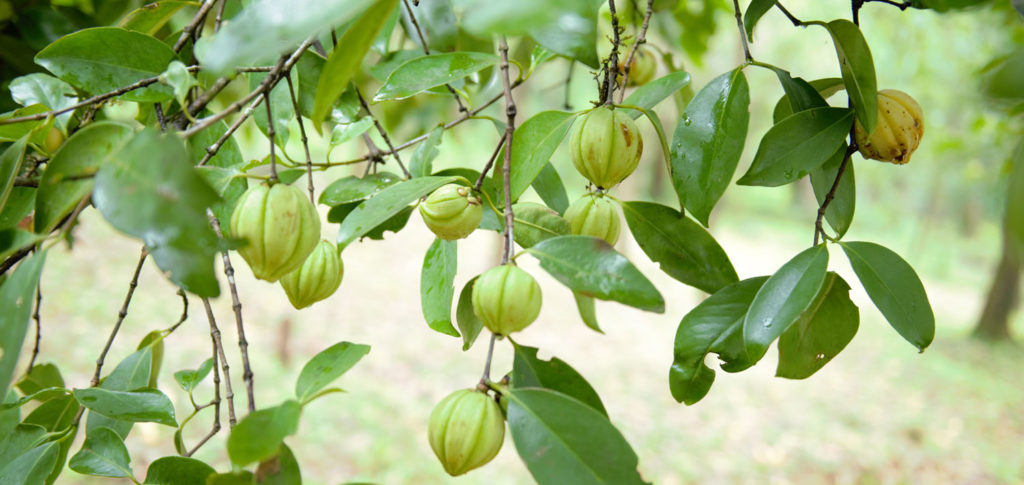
1003 294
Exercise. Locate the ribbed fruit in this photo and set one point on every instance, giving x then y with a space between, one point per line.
643 68
280 226
605 146
452 212
898 132
594 215
506 299
466 431
318 277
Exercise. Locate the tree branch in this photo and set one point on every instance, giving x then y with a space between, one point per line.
120 318
641 39
383 134
219 349
510 126
743 32
302 133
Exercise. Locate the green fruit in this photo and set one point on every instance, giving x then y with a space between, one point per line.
594 215
466 431
318 277
506 299
643 68
280 225
899 130
452 212
605 146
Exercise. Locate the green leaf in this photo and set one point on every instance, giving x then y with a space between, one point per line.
590 266
154 341
782 299
265 29
103 455
754 13
281 109
140 405
133 372
345 132
437 288
469 324
10 166
18 439
13 240
438 23
422 73
536 222
259 435
565 441
42 376
62 185
151 191
532 146
228 156
175 470
715 325
354 189
839 212
572 33
309 69
282 469
548 185
46 90
15 131
103 59
858 70
652 93
189 379
823 331
149 18
243 477
528 370
485 17
798 145
33 467
895 289
17 297
54 415
585 305
345 62
327 366
384 205
420 165
825 88
683 249
20 203
708 141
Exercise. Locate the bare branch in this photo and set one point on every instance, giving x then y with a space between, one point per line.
641 39
219 348
302 133
383 134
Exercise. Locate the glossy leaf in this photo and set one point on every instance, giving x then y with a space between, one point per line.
715 325
15 131
243 477
798 145
858 69
469 324
548 185
384 205
65 180
279 470
649 95
708 141
42 376
10 165
437 288
421 163
823 331
13 240
536 222
437 21
839 212
281 108
149 18
173 224
755 11
532 146
259 435
189 379
325 367
103 455
896 290
46 90
175 470
528 370
134 372
683 249
345 62
572 32
141 405
33 467
18 438
565 441
265 29
588 313
55 414
103 59
782 299
825 87
17 297
422 73
354 189
590 266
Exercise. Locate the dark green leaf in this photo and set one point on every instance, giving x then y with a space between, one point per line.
149 18
177 470
31 468
10 166
279 470
895 289
189 379
103 59
754 13
15 131
823 331
243 477
281 108
798 145
858 70
437 288
572 33
103 455
715 325
590 266
420 165
536 222
154 341
384 205
585 305
652 93
327 366
133 372
549 187
436 19
228 155
141 405
19 205
422 73
825 87
565 441
528 370
708 142
151 191
17 297
839 212
18 439
782 299
54 415
469 324
532 146
259 435
355 189
13 240
42 376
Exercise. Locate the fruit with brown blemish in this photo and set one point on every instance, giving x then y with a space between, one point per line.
605 146
898 132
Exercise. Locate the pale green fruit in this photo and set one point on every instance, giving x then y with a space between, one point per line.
506 299
594 215
280 225
898 132
643 68
605 146
466 431
452 212
318 277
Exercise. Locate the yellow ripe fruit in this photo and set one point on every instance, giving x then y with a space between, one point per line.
452 212
605 146
506 298
643 68
466 431
594 215
318 277
899 130
281 227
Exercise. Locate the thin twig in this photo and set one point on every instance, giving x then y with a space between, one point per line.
211 151
510 126
568 83
487 167
184 311
383 134
215 402
271 134
120 318
219 346
796 22
487 363
611 73
39 328
641 39
220 16
743 32
302 133
159 109
819 228
426 50
190 29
